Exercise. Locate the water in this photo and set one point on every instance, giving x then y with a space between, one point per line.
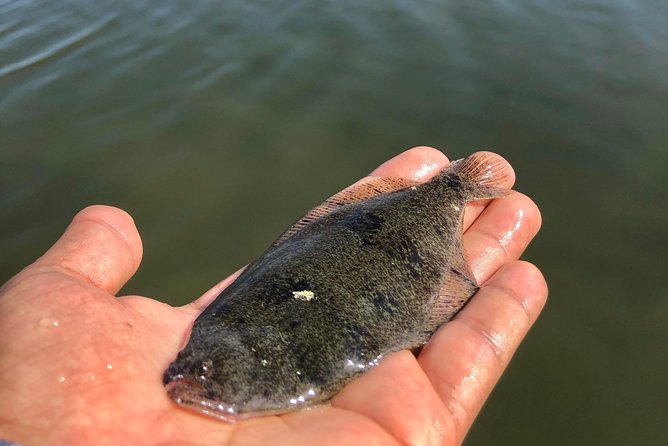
216 124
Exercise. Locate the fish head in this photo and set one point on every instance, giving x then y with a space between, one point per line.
214 373
194 382
220 374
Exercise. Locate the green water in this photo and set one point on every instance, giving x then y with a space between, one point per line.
216 124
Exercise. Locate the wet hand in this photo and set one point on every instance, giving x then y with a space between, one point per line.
81 366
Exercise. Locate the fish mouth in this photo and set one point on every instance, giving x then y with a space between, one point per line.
192 395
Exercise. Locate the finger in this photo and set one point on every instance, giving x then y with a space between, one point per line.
500 233
101 246
466 357
418 164
197 306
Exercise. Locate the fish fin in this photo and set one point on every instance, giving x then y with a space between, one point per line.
353 194
488 172
458 287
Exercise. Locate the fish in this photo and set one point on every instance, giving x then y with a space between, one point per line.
375 269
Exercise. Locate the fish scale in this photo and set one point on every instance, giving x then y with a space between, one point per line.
375 269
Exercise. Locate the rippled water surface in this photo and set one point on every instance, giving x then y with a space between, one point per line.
216 124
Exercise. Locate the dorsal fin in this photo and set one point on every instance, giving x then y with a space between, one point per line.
353 194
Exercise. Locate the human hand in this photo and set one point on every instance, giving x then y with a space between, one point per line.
81 366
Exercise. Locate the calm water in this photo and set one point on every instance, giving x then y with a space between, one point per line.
216 124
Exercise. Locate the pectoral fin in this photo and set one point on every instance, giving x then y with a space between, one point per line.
458 287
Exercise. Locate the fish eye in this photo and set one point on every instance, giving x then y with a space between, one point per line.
204 370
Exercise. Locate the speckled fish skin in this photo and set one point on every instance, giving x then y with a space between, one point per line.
328 302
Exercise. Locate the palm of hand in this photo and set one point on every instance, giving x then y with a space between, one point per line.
80 366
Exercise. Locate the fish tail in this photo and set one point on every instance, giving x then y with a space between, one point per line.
487 174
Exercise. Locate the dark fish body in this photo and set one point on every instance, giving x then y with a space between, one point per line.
374 270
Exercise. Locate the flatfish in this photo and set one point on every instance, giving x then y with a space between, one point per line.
375 269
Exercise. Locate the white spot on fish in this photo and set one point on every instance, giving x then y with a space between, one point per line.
109 367
304 295
62 379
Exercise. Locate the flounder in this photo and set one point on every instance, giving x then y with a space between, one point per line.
375 269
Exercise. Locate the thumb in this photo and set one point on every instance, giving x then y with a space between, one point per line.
101 246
